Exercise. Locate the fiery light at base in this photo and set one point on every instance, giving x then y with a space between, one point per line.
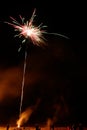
28 30
24 116
18 126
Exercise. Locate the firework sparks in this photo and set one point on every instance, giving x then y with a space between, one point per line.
28 30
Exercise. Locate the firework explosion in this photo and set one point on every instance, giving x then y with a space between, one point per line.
28 30
31 32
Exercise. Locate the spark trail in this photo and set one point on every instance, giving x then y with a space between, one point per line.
23 81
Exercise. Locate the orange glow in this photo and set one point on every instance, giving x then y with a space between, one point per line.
18 126
24 116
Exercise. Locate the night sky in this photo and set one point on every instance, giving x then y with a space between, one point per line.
56 76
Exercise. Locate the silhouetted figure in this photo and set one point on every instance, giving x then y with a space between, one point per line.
37 127
80 127
68 127
24 128
52 127
8 127
74 127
